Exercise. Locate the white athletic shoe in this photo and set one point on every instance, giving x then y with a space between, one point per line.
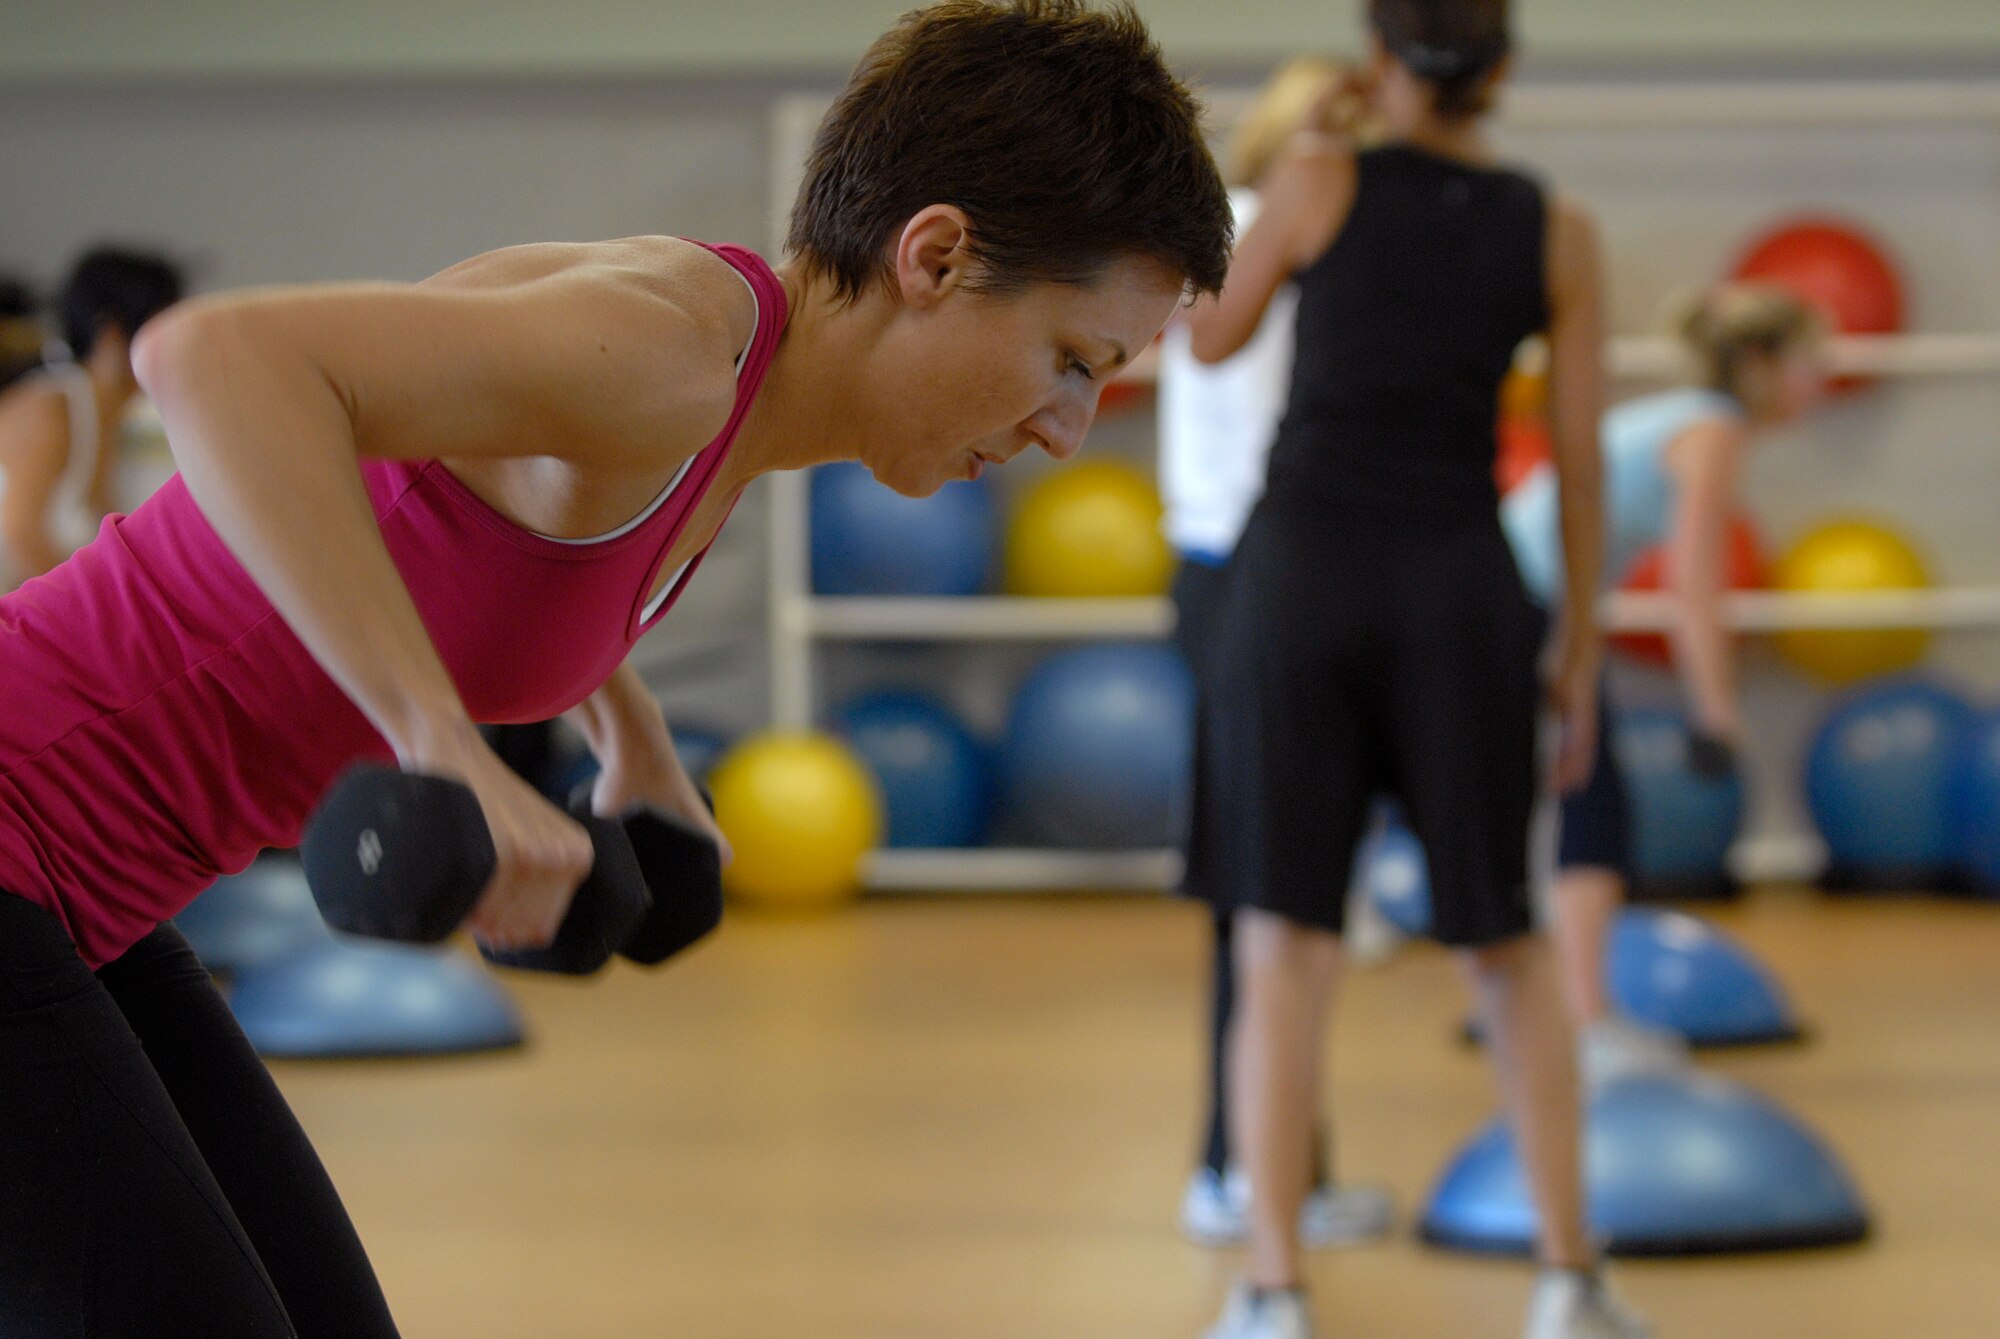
1249 1314
1208 1218
1569 1304
1616 1048
1215 1211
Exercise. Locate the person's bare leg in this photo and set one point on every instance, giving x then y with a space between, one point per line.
1285 975
1534 1052
1585 903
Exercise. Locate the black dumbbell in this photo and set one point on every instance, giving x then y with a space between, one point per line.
682 869
396 855
677 871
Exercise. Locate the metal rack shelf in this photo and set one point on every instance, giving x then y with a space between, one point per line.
1017 869
801 625
1011 618
1783 611
1647 357
981 618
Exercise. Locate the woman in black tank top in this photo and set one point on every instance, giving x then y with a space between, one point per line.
1376 637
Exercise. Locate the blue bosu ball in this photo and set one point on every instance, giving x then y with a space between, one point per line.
1392 869
244 919
1684 1164
1680 973
350 997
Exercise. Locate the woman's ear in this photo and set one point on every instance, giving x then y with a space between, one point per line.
933 254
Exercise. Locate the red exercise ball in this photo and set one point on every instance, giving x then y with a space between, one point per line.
1745 569
1838 267
1120 395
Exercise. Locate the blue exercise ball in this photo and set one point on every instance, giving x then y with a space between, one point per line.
1879 782
868 539
1682 823
1099 749
1682 974
244 919
937 780
351 997
1975 803
1391 868
698 750
1676 1164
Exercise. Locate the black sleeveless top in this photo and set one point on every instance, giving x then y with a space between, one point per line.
1406 327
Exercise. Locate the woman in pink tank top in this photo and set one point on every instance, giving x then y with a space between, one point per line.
404 509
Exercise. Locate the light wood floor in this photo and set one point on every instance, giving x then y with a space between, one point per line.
956 1120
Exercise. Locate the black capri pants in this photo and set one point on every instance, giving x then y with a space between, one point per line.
153 1182
1360 653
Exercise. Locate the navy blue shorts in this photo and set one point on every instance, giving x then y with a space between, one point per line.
1596 818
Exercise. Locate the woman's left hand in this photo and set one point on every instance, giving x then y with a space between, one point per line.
656 778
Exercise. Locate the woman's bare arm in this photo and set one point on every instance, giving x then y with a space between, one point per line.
34 451
1576 402
1705 460
269 399
628 735
1304 203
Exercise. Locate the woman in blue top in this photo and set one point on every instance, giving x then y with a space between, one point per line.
1671 463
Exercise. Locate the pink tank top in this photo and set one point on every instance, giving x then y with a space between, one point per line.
160 724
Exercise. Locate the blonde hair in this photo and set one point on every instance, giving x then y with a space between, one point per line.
1722 329
1283 106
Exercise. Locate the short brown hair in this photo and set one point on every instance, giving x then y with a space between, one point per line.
1451 44
1056 127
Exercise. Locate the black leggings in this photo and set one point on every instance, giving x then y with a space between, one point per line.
153 1183
1198 587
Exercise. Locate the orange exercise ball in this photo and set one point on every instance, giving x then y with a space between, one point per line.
1743 569
1525 392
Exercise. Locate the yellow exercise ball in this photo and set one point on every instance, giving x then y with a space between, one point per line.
1089 530
1842 557
801 812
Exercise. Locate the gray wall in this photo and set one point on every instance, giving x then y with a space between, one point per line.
374 37
266 183
265 180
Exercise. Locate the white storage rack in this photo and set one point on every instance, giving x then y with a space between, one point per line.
800 621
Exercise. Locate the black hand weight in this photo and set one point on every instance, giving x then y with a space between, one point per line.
609 904
397 855
683 872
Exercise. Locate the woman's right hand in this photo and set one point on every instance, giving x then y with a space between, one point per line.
540 853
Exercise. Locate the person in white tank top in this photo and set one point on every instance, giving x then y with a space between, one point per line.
58 424
1217 422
